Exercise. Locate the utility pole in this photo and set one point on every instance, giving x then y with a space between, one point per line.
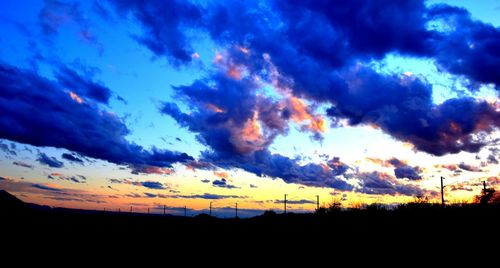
210 209
148 211
442 191
164 209
284 208
236 209
130 209
317 202
185 211
484 186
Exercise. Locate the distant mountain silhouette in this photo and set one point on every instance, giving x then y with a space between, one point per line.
9 201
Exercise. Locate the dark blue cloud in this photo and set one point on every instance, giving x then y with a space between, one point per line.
471 48
6 149
208 196
46 188
55 13
49 161
264 163
222 183
75 179
381 183
148 184
407 172
403 107
306 36
164 24
152 185
82 86
226 151
150 195
320 49
468 167
72 158
224 125
40 112
492 159
22 164
403 170
338 31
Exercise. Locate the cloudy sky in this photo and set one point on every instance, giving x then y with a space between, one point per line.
109 104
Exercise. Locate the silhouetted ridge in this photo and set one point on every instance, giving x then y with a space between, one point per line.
9 201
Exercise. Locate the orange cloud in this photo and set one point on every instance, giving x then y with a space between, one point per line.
75 97
251 130
325 167
300 112
154 170
234 73
244 50
218 57
377 161
214 108
250 138
318 124
450 167
221 174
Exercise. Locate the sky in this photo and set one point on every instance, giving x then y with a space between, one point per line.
119 105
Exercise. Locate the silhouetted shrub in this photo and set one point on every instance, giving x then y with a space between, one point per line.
375 207
485 197
269 213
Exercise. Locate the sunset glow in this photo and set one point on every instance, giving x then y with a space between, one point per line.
167 105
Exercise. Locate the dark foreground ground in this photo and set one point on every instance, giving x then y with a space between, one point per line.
409 226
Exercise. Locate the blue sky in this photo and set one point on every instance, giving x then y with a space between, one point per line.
247 101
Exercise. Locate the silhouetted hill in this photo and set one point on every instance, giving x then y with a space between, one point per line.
9 201
405 223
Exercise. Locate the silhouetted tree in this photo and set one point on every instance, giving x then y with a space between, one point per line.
421 199
321 211
334 206
269 213
486 196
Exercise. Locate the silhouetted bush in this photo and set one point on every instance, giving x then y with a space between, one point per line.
485 197
375 207
269 213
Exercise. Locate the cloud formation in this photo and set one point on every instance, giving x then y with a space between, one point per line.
308 53
41 112
148 184
72 158
382 183
328 63
49 161
222 183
